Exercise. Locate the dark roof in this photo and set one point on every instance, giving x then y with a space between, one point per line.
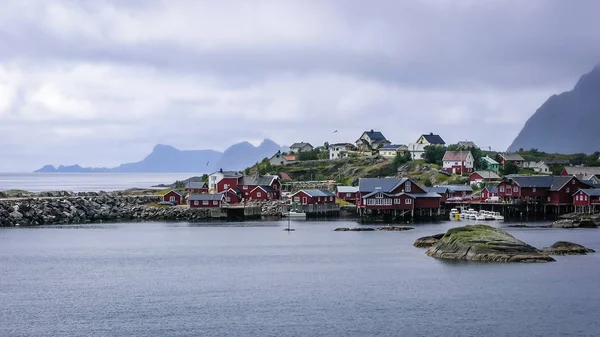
591 192
375 135
487 174
412 195
583 170
196 184
533 181
559 182
511 157
367 185
434 139
458 188
491 188
436 189
556 162
299 145
257 180
202 197
318 193
229 174
392 147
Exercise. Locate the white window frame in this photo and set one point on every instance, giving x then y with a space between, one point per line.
172 198
245 187
502 188
296 199
258 194
204 202
348 195
407 186
534 190
215 202
195 202
408 201
568 190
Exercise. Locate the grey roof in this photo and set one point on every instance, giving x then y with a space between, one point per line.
491 188
533 181
559 182
591 192
458 188
176 191
347 189
367 185
196 184
207 197
584 170
392 147
490 160
257 180
487 174
375 135
424 195
437 189
434 139
512 157
467 143
299 145
342 144
319 193
556 162
229 174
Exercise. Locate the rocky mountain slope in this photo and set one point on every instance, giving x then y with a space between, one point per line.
566 123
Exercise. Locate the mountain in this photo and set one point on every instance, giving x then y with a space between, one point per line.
566 123
167 159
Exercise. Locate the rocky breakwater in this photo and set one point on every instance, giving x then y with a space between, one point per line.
89 209
485 243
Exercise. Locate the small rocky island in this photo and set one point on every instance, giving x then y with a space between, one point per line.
485 243
428 241
567 248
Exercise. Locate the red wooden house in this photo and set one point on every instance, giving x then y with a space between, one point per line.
245 184
562 189
206 200
174 197
232 196
581 171
347 193
458 162
262 193
552 190
483 176
489 191
586 197
313 197
388 194
196 187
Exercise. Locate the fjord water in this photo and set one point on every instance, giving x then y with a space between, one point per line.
254 279
86 182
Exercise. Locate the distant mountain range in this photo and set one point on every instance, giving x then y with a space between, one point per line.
167 159
566 123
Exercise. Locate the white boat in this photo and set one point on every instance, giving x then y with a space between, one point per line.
471 214
453 211
480 216
296 215
498 216
488 215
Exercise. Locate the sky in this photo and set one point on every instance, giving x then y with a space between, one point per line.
99 83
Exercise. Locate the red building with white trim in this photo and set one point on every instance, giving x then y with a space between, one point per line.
174 196
313 197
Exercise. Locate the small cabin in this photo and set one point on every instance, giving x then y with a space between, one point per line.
174 196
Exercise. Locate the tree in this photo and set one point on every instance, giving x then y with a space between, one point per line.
308 155
401 159
179 185
205 177
434 154
509 168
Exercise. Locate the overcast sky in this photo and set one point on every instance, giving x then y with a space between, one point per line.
99 83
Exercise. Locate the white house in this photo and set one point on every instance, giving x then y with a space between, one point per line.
278 159
301 147
390 151
340 150
537 167
371 140
458 162
216 177
417 149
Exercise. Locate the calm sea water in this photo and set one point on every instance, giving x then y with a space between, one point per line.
86 182
253 279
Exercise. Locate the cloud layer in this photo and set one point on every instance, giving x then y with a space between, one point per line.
100 82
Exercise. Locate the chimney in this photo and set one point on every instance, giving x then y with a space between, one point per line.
431 133
371 130
221 170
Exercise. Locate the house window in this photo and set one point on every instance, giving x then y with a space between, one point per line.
215 202
408 201
573 182
258 194
228 199
549 199
407 186
172 198
534 190
196 202
245 187
396 201
225 186
516 189
348 195
501 188
205 202
568 190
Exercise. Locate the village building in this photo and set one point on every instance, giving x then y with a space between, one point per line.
549 190
417 149
395 196
458 162
583 199
391 150
279 159
514 158
301 147
261 193
313 197
466 144
457 191
196 187
174 197
347 193
206 200
224 178
371 140
538 167
489 192
581 171
340 150
489 164
244 184
479 177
